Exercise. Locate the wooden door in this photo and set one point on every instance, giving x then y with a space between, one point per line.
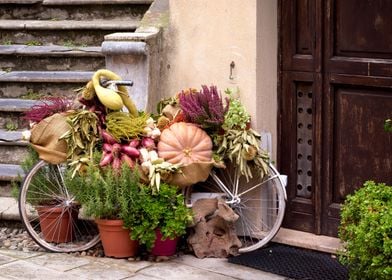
335 93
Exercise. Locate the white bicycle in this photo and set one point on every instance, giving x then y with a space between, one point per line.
259 202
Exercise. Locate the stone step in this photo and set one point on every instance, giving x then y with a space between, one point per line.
76 2
73 10
50 58
68 24
20 2
13 149
9 173
94 2
38 11
9 209
16 105
10 114
62 32
42 83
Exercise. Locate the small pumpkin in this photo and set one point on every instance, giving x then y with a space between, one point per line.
185 143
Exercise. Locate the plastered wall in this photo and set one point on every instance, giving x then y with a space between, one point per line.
205 36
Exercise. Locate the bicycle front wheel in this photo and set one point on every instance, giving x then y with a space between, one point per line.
259 202
50 213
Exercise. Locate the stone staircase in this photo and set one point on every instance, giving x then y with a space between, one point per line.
50 48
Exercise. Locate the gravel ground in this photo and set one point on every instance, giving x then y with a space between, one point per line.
14 237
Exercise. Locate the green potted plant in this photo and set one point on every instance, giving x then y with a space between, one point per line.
160 218
366 230
108 196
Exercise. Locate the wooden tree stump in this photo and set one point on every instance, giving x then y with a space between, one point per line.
213 233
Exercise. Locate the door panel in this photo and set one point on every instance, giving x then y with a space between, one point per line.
339 52
299 43
357 98
300 98
362 34
359 149
358 37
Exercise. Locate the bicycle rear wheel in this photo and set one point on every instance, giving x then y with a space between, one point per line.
259 202
68 230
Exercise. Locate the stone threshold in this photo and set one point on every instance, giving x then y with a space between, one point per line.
308 240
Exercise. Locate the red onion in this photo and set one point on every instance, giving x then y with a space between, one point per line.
107 147
116 163
107 138
106 159
148 143
134 143
130 151
128 160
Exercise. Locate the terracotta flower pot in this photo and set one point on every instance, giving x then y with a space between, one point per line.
115 239
165 247
57 224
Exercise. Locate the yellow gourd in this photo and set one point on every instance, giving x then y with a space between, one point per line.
111 99
108 97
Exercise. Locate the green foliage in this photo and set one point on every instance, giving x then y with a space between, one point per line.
236 117
29 161
388 125
45 188
165 210
366 229
34 43
32 95
105 194
11 125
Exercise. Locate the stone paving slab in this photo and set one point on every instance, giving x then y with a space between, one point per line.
5 259
180 271
98 270
29 265
58 262
132 266
218 265
25 270
20 255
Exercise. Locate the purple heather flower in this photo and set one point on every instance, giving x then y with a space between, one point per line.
205 107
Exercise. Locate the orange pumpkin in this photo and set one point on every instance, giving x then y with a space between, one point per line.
185 143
